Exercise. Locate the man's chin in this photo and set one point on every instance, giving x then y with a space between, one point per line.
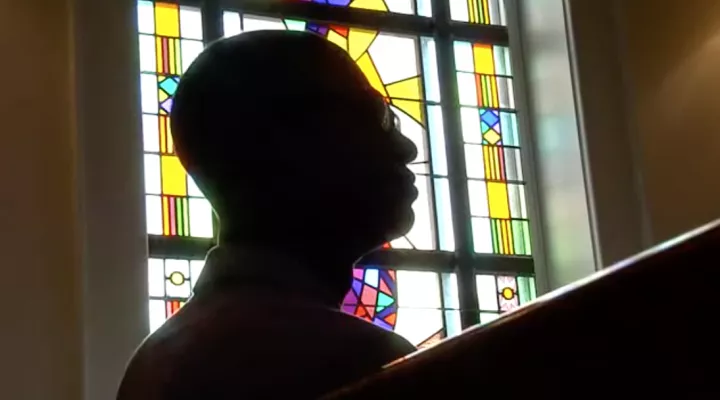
401 227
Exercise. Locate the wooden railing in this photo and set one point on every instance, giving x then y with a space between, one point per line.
649 325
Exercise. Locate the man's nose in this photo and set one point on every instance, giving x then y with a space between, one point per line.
406 148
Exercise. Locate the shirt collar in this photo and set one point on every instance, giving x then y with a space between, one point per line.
238 267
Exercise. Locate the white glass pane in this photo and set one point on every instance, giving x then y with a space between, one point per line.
508 126
430 69
437 140
477 191
201 223
295 25
503 12
464 60
148 61
424 8
146 17
157 314
153 215
486 317
191 23
418 325
419 314
474 161
151 133
505 92
156 277
453 323
190 50
482 237
470 119
502 60
395 57
487 292
400 6
421 234
467 89
518 207
149 93
418 289
451 297
177 274
444 215
459 10
500 6
196 267
451 300
152 174
255 23
231 24
513 164
193 190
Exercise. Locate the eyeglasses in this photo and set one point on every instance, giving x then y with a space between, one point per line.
389 120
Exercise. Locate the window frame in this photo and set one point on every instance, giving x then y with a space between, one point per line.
464 261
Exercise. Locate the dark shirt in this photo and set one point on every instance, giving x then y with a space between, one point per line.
257 327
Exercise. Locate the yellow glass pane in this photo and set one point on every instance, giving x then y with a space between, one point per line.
492 136
336 38
167 20
359 40
473 11
159 55
162 96
498 200
493 165
411 108
409 89
166 216
174 177
484 62
378 5
485 11
368 68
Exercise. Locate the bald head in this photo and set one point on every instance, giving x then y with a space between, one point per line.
285 136
242 89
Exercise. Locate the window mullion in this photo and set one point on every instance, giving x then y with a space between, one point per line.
456 166
212 15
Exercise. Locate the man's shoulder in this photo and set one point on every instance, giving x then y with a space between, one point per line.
358 339
207 337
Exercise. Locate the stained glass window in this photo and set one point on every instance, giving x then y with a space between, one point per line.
170 39
500 293
419 7
394 65
421 306
469 170
170 283
488 12
492 153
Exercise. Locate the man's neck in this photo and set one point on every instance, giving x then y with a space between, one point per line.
278 266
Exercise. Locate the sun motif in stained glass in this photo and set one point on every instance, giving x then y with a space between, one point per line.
373 297
177 278
507 293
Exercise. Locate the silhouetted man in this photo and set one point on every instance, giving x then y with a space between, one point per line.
306 169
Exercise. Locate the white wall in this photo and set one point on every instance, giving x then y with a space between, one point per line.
73 267
672 55
40 299
111 190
